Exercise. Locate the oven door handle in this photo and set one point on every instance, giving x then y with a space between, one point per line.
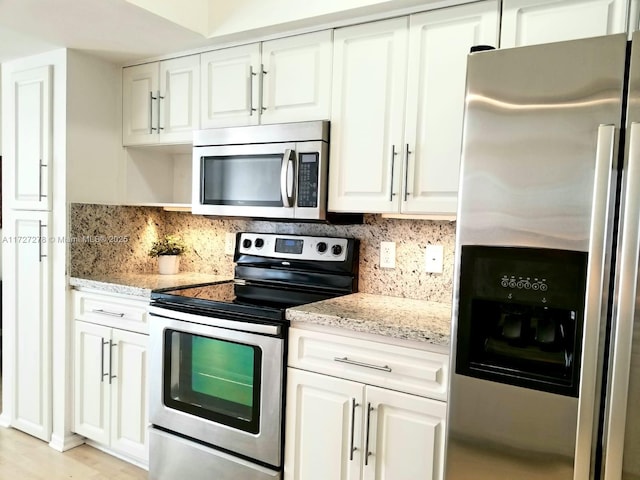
216 322
287 177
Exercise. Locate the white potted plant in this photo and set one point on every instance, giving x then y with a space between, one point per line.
168 250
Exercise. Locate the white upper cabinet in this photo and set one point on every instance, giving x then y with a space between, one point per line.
397 116
161 101
297 78
179 100
28 148
529 22
283 80
369 86
230 86
139 95
439 42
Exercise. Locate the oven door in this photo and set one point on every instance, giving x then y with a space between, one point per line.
221 385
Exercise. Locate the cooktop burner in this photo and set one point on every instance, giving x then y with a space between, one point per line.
256 300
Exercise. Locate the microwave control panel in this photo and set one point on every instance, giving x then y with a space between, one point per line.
308 180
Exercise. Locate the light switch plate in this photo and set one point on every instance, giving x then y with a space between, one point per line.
388 254
229 243
434 259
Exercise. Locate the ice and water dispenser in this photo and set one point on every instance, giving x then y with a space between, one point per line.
520 316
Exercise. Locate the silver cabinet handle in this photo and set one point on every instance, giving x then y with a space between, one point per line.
384 368
102 372
406 172
112 346
151 99
106 312
263 73
352 448
287 177
367 453
41 239
251 75
393 162
40 167
160 97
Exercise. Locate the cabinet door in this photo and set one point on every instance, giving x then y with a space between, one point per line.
405 435
91 378
323 427
529 22
230 86
140 87
179 100
367 115
297 78
27 320
439 42
129 418
28 148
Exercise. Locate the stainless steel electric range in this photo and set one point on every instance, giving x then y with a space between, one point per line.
217 357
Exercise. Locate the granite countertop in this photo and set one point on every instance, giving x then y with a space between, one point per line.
391 317
141 284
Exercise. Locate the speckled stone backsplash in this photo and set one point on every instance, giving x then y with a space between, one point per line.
108 239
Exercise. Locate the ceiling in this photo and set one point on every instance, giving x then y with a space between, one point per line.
112 29
126 31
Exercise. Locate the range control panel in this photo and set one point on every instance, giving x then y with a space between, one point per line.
292 246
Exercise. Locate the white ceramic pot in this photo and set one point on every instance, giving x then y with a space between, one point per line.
168 264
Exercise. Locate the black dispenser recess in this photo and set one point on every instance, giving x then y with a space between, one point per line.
520 316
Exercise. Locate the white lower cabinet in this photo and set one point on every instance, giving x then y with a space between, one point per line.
110 390
27 322
348 430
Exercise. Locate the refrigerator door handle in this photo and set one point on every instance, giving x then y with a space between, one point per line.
596 268
624 311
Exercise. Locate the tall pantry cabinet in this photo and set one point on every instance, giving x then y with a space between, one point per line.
60 136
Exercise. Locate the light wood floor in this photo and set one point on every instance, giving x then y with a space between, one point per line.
23 457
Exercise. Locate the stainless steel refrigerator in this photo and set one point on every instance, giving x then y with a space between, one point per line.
546 326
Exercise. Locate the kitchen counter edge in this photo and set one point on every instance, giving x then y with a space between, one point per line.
141 284
403 321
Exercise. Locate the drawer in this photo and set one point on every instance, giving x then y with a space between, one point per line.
395 367
117 311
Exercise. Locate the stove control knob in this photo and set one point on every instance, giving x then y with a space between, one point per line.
259 243
246 243
321 247
336 250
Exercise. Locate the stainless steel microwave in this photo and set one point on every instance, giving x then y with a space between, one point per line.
263 171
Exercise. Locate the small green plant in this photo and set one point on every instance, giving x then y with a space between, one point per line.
169 245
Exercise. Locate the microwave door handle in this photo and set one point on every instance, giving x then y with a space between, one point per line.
287 176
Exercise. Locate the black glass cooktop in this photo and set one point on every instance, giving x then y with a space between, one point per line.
238 298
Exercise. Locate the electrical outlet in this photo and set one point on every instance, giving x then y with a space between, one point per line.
388 254
433 259
229 243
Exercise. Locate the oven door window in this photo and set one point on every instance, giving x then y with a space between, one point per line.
213 378
248 180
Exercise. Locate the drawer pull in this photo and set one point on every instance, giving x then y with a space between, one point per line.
105 312
385 368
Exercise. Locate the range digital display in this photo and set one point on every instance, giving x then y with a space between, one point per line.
289 245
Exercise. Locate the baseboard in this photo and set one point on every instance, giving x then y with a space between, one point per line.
62 444
5 420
